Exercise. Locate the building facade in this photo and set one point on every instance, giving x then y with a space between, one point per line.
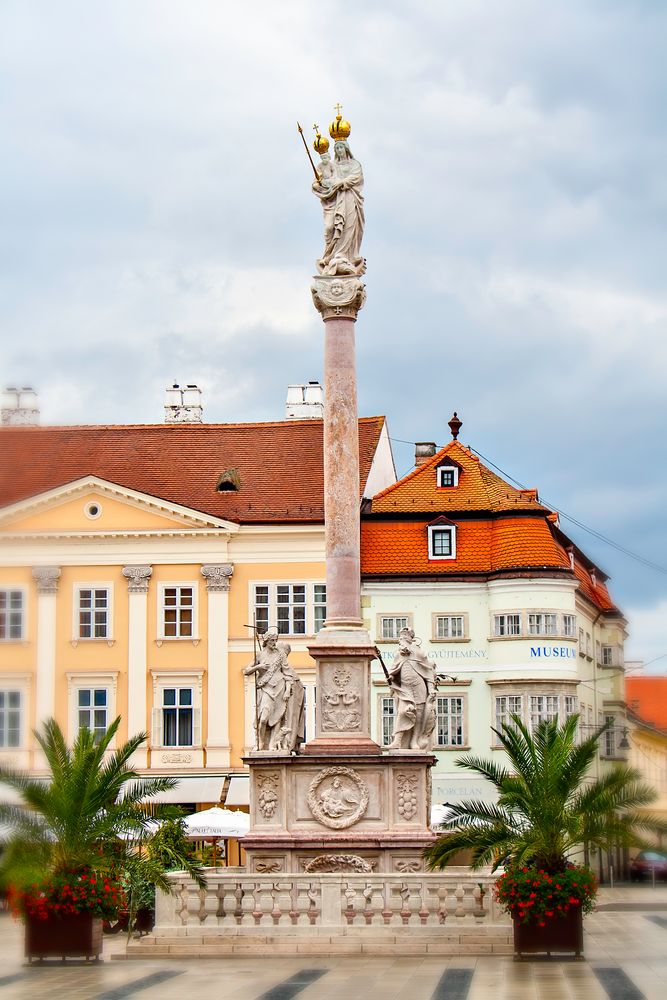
517 619
134 561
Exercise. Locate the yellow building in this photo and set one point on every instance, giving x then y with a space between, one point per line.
133 560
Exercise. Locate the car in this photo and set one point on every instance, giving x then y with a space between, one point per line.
648 863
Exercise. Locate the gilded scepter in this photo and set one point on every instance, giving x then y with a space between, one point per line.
305 144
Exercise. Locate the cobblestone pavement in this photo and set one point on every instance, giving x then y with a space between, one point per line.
626 959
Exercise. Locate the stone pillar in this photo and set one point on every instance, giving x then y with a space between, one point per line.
218 576
47 578
338 300
138 578
342 651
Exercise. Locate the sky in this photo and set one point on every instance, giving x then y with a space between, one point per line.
158 224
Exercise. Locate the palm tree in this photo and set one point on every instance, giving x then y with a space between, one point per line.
89 816
547 808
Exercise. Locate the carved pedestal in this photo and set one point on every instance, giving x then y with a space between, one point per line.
339 813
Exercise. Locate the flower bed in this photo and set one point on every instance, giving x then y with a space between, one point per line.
535 896
67 894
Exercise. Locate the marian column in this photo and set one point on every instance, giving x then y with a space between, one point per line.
343 651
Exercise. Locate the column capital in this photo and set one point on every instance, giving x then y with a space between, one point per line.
338 297
47 578
217 576
138 578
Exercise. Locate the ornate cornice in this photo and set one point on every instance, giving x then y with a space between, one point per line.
217 576
138 578
47 578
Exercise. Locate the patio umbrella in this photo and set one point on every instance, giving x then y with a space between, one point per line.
216 824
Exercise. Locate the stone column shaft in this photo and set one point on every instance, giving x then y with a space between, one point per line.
46 578
341 475
218 578
138 578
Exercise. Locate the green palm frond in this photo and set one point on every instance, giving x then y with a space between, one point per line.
547 804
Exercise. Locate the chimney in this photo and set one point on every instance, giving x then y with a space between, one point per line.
19 407
305 402
424 450
183 405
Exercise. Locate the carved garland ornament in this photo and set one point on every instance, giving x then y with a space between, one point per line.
406 786
337 797
337 863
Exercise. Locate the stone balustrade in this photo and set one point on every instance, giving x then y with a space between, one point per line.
234 899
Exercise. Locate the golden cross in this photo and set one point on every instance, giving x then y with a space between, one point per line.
316 129
337 109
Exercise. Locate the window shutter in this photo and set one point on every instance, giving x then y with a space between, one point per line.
196 727
156 728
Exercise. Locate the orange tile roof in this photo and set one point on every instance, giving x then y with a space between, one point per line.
280 464
399 547
596 592
478 489
647 698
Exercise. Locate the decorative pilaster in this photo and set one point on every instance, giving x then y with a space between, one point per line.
46 578
218 577
138 579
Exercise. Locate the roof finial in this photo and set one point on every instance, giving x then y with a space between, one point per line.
455 425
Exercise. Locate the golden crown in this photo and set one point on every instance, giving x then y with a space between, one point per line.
339 129
321 143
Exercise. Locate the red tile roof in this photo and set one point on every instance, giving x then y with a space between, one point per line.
280 464
400 548
646 697
594 589
478 489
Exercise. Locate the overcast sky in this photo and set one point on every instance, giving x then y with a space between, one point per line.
157 223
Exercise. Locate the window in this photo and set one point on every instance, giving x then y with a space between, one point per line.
570 626
449 724
387 714
389 626
177 717
441 543
93 613
506 624
582 644
291 608
92 705
541 623
588 644
448 476
607 656
11 614
610 737
450 627
10 719
570 704
507 705
543 708
178 612
319 605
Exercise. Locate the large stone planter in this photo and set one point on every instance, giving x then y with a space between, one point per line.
76 936
562 935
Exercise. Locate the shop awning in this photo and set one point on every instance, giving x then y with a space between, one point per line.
192 789
238 793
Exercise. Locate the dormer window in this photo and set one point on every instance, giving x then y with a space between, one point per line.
448 476
442 539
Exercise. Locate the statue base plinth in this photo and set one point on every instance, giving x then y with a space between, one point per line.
317 808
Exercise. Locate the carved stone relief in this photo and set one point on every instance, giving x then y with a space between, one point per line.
337 797
337 863
217 576
176 758
267 799
407 799
267 866
341 702
47 578
407 866
338 297
138 578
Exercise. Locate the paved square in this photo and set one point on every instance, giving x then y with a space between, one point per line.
626 959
